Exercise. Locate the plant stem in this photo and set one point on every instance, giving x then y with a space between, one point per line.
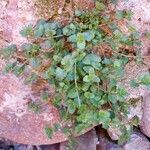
130 56
76 86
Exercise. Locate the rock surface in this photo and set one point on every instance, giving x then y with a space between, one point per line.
137 142
84 4
140 19
145 123
17 122
87 141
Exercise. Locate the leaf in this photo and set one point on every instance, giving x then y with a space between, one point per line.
71 106
18 69
80 128
39 31
119 14
134 84
107 61
50 29
9 67
30 79
80 41
91 78
78 13
46 45
53 25
135 121
138 56
126 134
86 79
70 76
90 58
72 93
148 35
50 33
145 79
26 31
117 63
9 50
49 132
114 1
60 73
99 5
69 30
68 63
57 127
128 14
112 98
26 47
34 62
72 38
31 50
121 93
96 65
96 79
89 95
104 117
89 35
44 95
34 107
85 87
88 69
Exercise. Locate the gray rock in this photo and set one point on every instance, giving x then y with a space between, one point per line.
137 142
21 147
50 147
87 141
145 123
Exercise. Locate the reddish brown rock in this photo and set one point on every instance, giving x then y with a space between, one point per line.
140 19
84 4
18 123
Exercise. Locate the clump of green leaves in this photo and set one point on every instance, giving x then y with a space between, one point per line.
87 86
143 79
49 132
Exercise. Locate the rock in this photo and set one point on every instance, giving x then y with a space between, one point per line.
21 147
104 141
18 123
136 109
14 17
140 19
132 71
137 142
84 4
145 122
87 141
50 147
114 133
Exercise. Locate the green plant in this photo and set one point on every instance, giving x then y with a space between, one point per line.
87 64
